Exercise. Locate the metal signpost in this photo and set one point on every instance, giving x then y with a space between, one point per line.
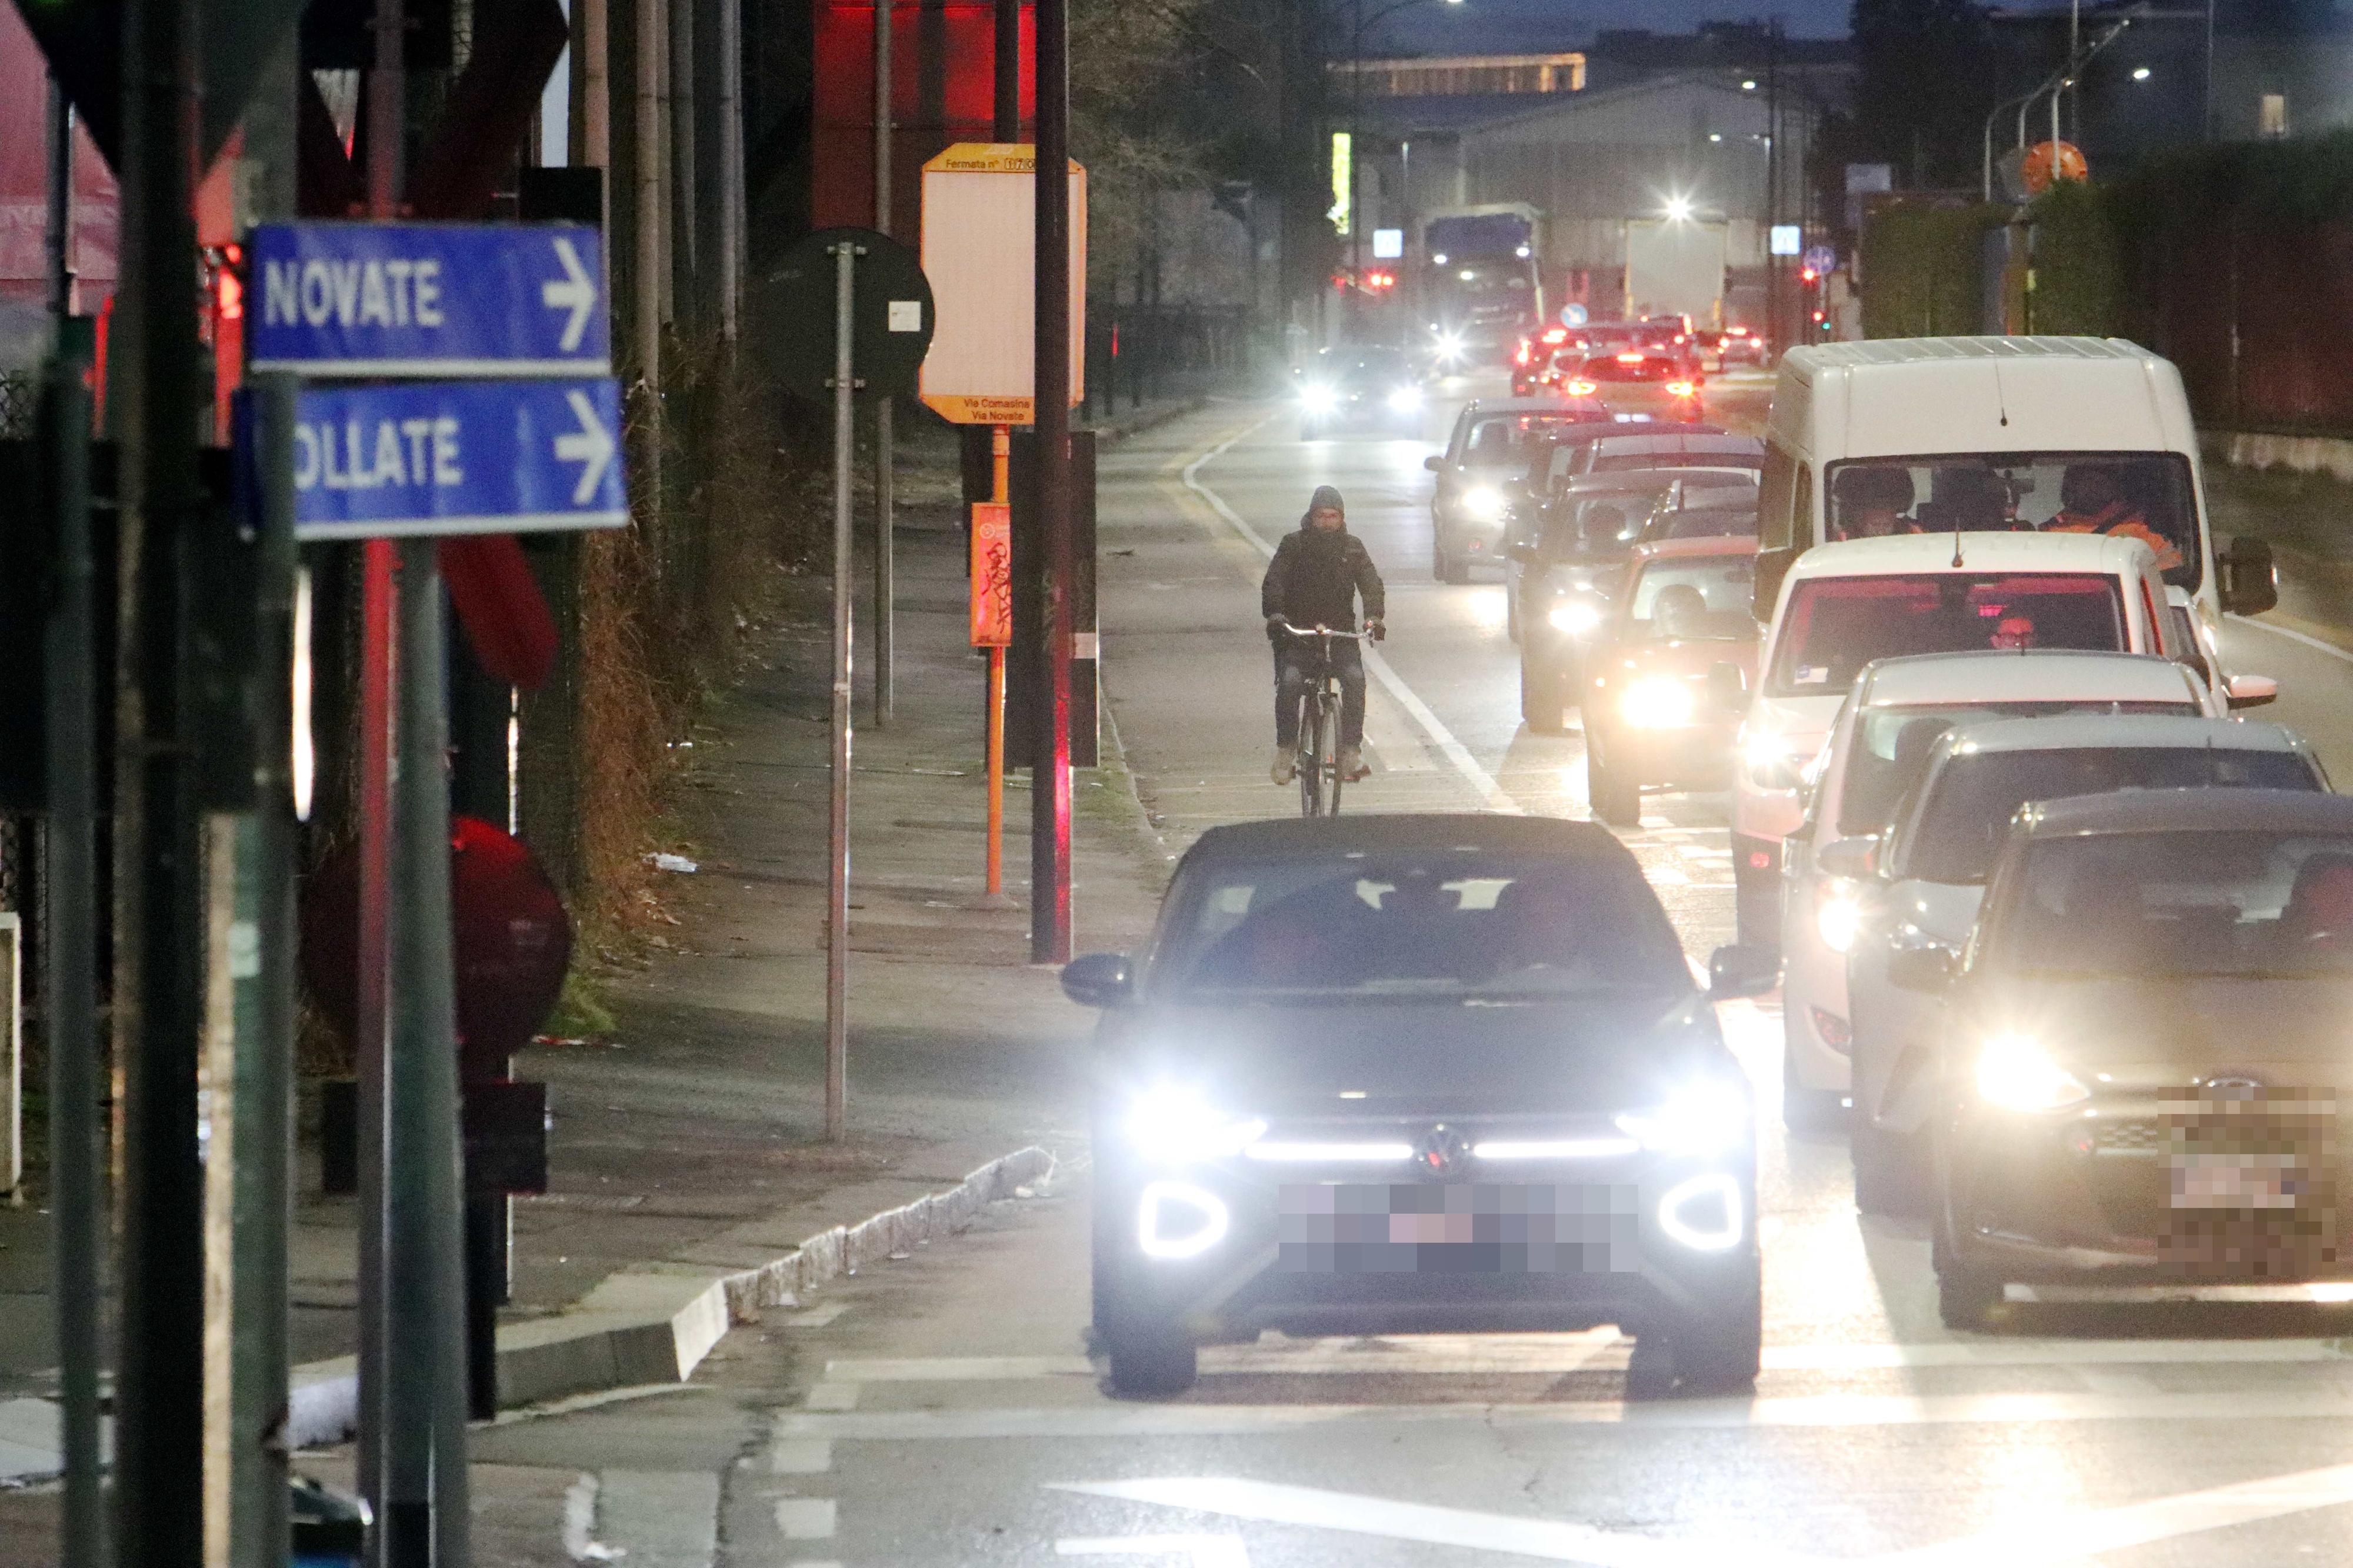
872 340
414 459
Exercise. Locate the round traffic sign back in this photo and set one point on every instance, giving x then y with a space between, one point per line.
890 312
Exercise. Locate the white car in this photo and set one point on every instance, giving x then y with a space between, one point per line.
1922 881
1880 738
1842 606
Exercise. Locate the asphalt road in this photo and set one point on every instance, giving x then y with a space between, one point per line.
942 1410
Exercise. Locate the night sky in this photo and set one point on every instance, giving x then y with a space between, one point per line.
1478 26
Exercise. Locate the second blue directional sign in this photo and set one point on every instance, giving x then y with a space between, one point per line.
438 458
427 299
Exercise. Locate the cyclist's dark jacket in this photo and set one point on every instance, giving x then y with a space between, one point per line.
1315 577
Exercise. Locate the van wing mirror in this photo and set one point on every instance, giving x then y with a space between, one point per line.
1772 566
1856 859
2249 578
1926 970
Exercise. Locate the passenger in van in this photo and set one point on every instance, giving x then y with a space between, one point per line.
1871 502
2014 634
2091 501
1969 499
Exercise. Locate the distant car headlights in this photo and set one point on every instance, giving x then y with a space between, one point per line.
1449 347
1176 1220
1485 502
1318 399
1172 1125
1838 913
1704 1119
1405 400
2016 1073
1704 1214
1658 703
1574 617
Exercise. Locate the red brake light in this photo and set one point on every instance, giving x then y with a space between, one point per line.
1583 388
1557 335
1680 388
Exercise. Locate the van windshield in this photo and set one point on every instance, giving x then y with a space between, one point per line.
1835 626
2141 495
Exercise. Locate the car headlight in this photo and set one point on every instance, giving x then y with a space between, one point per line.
1174 1125
1405 400
1705 1213
1574 617
1449 345
1176 1220
1485 502
1837 914
1700 1118
1318 399
1658 703
2016 1073
1775 760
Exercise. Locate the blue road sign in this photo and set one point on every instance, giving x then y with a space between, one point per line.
1820 260
458 457
425 298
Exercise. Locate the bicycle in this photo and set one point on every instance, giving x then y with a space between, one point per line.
1318 759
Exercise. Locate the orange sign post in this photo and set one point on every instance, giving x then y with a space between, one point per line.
992 628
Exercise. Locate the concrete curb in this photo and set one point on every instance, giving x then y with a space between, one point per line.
656 1322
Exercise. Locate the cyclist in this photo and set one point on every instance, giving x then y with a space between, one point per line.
1314 581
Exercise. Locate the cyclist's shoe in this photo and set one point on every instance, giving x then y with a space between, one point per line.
1286 765
1351 766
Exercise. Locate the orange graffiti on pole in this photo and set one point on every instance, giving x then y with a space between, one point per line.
992 574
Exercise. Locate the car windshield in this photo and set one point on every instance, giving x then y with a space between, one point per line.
2159 904
1694 601
1447 924
1579 527
1353 366
1890 747
1505 440
1973 797
2143 494
1835 626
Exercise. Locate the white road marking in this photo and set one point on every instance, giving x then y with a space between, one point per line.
1823 1411
1549 1539
1840 1357
2306 639
1195 1551
2038 1539
806 1518
660 1519
800 1456
829 1395
1482 784
579 1535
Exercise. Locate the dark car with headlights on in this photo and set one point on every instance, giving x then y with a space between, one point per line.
1667 682
1419 1074
1360 388
1568 548
1482 474
2145 1048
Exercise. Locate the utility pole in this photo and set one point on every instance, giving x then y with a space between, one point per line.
1050 781
158 985
884 630
1773 311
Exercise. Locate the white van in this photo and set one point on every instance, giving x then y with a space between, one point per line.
1998 433
1843 605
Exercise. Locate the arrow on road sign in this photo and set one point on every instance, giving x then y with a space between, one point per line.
575 291
589 444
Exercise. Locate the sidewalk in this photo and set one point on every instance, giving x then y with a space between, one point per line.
687 1160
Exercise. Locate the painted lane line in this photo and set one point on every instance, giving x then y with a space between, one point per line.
829 1395
1193 1551
806 1518
2041 1541
579 1531
1482 784
1831 1411
800 1456
660 1519
1839 1357
1427 1524
2306 639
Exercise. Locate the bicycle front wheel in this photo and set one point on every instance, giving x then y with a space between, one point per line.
1310 757
1327 756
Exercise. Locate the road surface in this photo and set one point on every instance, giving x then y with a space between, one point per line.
942 1411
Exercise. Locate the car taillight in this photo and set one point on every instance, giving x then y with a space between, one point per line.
1680 388
1520 357
1583 388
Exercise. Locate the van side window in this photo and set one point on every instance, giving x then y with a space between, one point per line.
1777 482
1801 507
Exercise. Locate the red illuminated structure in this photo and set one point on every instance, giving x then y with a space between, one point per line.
943 74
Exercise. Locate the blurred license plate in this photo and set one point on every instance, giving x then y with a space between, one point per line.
2235 1182
1467 1228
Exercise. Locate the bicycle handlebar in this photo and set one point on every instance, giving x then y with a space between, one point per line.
1322 632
